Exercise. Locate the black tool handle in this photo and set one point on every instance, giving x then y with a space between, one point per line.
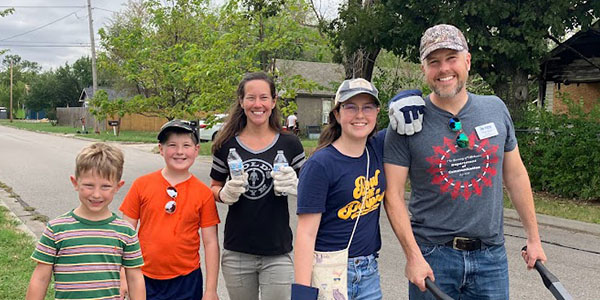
435 290
547 277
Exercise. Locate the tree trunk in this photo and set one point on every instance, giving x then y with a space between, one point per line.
361 64
514 92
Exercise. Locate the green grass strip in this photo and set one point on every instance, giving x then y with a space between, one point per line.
15 265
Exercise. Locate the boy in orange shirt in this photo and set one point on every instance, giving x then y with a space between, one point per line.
171 205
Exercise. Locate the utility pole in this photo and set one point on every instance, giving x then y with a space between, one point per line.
11 88
93 45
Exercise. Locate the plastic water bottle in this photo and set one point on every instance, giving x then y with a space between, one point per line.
280 162
236 166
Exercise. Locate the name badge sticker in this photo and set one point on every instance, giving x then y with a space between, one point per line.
486 131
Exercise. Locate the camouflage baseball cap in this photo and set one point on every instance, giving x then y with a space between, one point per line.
442 36
352 87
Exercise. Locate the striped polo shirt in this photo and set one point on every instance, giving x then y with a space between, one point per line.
87 255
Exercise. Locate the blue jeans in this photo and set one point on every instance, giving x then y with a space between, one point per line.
465 275
363 278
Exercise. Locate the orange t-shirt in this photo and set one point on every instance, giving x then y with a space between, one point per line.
170 242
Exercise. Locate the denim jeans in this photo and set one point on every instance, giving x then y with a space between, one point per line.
247 275
465 275
363 278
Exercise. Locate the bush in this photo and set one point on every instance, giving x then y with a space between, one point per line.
562 152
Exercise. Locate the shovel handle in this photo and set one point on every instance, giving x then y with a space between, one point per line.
435 290
547 277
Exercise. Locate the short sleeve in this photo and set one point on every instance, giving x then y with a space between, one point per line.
313 187
209 216
46 249
298 156
395 149
132 254
131 204
511 138
219 170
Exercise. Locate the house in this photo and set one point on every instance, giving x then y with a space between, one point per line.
573 67
313 106
88 93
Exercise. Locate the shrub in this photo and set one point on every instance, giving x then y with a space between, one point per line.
562 151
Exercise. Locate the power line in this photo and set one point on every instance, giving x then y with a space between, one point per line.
46 46
40 6
40 27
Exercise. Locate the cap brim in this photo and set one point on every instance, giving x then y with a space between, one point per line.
354 93
444 45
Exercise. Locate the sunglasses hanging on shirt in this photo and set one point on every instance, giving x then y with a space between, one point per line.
171 205
462 140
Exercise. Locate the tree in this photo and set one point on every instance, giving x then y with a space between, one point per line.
23 73
61 87
183 58
507 39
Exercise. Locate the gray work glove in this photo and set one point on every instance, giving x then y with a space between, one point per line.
233 189
285 181
406 112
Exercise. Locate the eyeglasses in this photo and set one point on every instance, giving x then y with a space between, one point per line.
462 140
353 109
171 205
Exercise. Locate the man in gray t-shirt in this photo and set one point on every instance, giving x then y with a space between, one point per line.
457 166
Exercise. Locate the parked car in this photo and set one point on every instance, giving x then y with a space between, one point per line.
208 132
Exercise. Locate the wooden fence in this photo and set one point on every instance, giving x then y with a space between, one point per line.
71 116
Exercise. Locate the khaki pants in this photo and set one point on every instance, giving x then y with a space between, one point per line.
247 276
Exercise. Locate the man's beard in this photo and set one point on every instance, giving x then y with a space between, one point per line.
450 94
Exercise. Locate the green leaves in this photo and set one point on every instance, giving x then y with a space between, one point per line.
562 152
186 58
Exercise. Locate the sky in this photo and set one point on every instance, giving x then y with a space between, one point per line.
54 32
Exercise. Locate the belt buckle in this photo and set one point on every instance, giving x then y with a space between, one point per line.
455 242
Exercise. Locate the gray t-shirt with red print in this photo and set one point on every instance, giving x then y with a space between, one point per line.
456 191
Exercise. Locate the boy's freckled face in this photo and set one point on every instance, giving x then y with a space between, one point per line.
95 194
179 152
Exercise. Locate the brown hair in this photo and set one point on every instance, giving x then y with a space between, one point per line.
237 121
102 159
333 130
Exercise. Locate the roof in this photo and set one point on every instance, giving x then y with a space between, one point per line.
565 62
87 93
327 75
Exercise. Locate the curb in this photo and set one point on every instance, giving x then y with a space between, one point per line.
571 225
21 226
27 224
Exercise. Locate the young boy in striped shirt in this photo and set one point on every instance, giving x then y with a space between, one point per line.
86 247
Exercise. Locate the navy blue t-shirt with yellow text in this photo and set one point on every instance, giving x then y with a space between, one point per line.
333 184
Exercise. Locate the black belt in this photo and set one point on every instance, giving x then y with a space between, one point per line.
465 244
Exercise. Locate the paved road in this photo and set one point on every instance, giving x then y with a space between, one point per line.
37 166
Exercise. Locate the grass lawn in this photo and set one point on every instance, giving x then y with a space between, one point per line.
124 136
15 265
585 211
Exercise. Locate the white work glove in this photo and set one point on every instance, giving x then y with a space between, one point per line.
285 181
406 112
233 189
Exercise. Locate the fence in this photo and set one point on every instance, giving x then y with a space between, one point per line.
71 116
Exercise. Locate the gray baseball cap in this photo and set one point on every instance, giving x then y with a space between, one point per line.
352 87
442 36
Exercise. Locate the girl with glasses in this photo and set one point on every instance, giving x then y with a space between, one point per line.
335 189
